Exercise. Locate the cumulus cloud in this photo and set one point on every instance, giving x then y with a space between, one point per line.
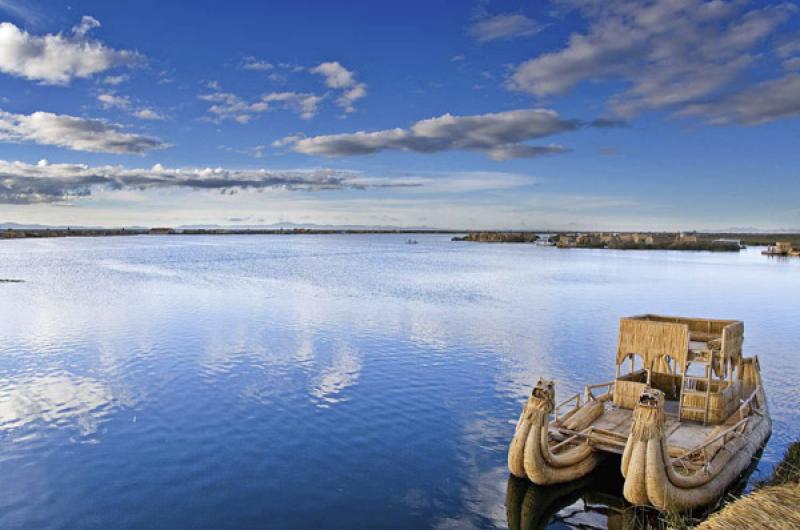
761 103
56 59
499 135
504 27
232 107
672 54
22 183
340 78
72 132
148 114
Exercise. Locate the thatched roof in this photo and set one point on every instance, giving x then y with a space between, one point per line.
651 340
655 336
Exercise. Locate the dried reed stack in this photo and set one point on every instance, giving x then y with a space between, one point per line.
774 505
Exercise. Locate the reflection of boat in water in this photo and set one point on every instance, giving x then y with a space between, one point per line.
592 501
411 241
684 437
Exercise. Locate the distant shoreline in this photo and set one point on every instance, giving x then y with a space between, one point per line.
121 232
584 239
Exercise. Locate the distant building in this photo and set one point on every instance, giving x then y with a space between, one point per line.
688 237
588 240
161 230
565 241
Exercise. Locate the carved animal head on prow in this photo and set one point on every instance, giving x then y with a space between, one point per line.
651 397
648 415
543 395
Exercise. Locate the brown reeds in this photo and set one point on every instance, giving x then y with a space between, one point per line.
770 507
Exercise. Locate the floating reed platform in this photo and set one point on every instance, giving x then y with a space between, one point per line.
774 507
687 422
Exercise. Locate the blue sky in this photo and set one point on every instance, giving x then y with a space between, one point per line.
671 114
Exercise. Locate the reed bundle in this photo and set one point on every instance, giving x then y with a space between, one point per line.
771 507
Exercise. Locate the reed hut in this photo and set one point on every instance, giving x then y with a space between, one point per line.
686 411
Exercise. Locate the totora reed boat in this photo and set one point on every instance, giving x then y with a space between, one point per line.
687 422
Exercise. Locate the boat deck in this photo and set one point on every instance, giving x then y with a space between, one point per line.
610 431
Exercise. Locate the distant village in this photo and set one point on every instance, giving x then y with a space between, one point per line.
778 243
642 240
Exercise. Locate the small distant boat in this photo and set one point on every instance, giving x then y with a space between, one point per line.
687 423
411 242
781 248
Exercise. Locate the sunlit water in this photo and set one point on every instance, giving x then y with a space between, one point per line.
226 382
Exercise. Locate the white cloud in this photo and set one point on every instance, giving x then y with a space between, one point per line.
112 101
148 114
230 106
504 27
288 140
303 104
86 25
758 104
340 78
336 75
22 183
251 63
350 96
56 58
114 80
291 67
72 132
671 53
498 135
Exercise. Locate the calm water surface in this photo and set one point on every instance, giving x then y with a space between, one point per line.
162 382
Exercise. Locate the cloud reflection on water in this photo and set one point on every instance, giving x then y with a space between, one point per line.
57 400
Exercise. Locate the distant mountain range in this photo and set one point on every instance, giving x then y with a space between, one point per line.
23 226
274 226
293 226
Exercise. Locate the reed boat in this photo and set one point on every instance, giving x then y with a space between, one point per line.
686 411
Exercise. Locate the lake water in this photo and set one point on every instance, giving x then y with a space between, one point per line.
230 382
